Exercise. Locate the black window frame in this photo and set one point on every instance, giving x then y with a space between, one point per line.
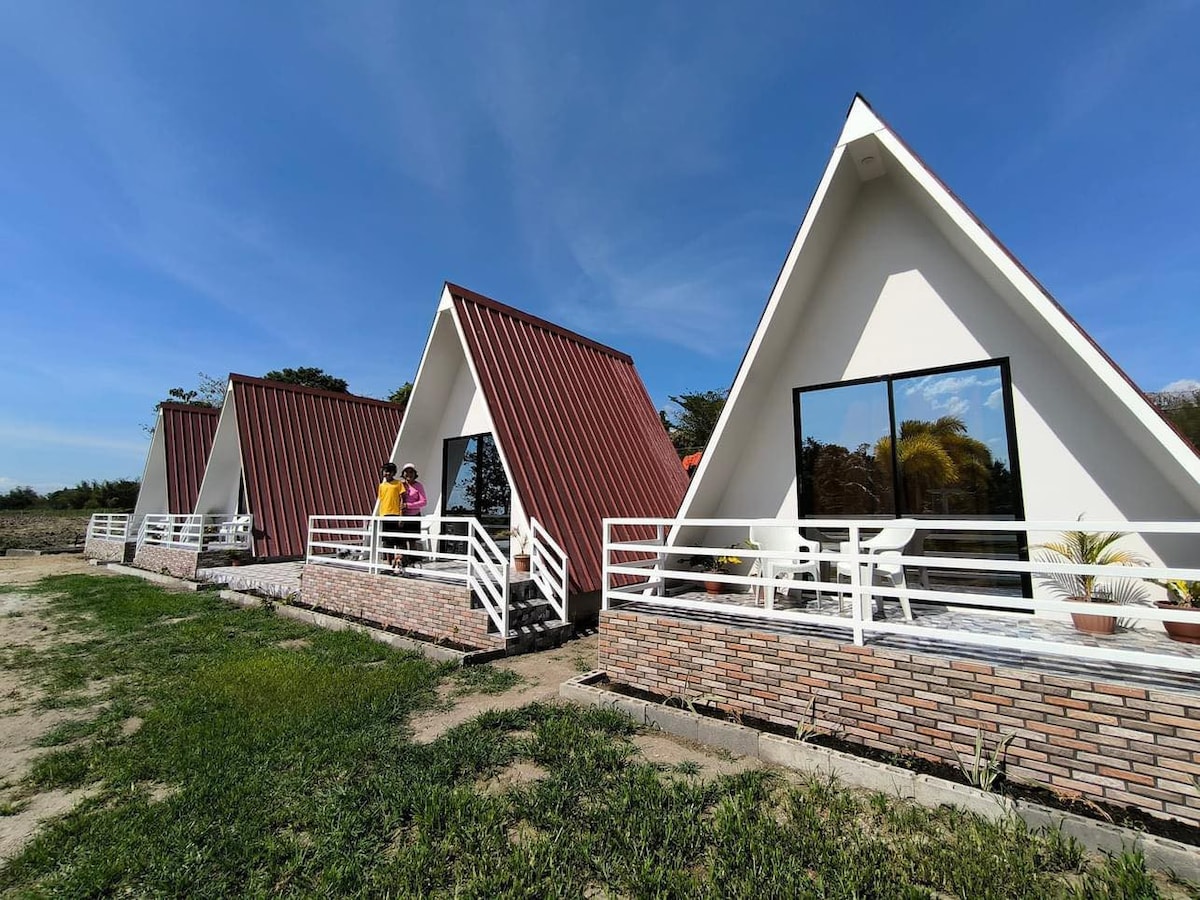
803 497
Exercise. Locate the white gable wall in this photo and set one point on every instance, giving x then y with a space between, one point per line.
220 489
446 402
895 296
152 493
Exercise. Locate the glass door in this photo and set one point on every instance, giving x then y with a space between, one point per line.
474 484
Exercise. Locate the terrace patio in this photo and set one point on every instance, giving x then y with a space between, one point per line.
1110 718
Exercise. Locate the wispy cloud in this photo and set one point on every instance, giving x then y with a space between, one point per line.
599 137
36 434
1182 386
185 211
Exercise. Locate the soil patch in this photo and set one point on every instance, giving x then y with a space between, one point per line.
42 529
22 723
28 569
517 773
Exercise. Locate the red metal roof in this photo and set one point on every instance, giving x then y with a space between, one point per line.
187 437
576 426
307 452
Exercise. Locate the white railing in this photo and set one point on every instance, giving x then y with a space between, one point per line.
220 531
548 567
452 547
112 527
649 569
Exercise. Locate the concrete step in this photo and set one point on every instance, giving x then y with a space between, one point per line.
543 635
529 612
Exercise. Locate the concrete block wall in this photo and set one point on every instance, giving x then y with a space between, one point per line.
435 609
109 551
1097 740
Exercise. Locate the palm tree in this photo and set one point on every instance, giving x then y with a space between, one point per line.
935 455
1085 548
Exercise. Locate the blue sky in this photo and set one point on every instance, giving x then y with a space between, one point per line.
223 187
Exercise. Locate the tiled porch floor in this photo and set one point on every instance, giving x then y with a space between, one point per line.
282 579
936 616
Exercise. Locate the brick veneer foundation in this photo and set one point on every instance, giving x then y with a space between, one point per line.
182 563
418 605
1120 744
109 551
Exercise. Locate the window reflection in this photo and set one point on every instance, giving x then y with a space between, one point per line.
842 473
952 444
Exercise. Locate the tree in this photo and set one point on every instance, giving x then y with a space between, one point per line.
937 456
22 497
309 376
691 423
209 392
1183 409
401 394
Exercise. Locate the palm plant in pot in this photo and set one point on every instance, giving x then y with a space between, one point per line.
1087 548
1181 595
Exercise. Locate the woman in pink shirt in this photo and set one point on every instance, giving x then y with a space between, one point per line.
413 500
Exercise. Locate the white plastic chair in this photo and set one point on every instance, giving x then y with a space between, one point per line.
802 561
889 543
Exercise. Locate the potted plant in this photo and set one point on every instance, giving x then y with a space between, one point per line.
520 545
721 565
1181 595
1087 548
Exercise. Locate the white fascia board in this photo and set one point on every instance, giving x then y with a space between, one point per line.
156 457
1047 309
215 487
803 236
444 302
860 121
516 503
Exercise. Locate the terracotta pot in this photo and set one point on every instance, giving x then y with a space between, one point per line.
1188 632
1092 624
715 587
521 562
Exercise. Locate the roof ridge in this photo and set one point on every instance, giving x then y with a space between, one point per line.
461 293
190 407
305 389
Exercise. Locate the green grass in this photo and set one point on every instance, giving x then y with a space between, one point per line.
291 771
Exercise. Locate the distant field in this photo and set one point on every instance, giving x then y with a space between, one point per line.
43 529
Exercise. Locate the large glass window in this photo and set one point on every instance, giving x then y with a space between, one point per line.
474 483
933 444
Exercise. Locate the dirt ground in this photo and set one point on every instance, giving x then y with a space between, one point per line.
35 530
24 623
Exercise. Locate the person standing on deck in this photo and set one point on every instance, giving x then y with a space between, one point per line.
414 501
391 507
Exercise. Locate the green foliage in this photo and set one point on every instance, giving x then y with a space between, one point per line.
401 394
21 498
1085 548
260 770
115 495
691 422
209 392
1183 409
309 376
984 770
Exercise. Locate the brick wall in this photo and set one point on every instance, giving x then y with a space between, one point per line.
1119 744
179 562
109 551
434 609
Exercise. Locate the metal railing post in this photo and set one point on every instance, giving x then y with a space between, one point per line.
606 535
856 595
